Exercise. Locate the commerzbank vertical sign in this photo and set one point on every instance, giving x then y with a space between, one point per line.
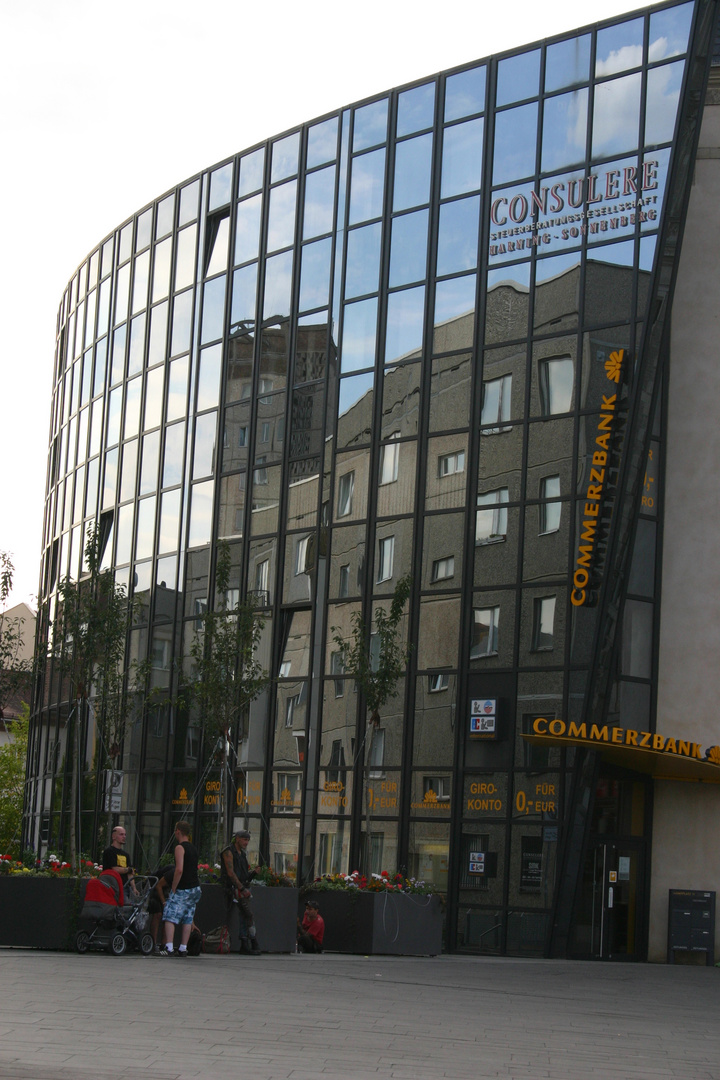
609 201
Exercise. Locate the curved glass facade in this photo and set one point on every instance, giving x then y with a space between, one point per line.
418 336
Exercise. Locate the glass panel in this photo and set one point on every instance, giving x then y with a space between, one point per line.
278 282
355 408
121 294
637 639
319 203
567 62
174 454
124 534
450 393
368 179
315 275
244 295
189 203
285 157
209 378
663 94
165 215
462 158
408 250
439 632
185 263
220 186
322 142
363 260
158 334
465 93
556 293
129 469
446 482
416 109
133 391
154 384
405 315
515 138
169 521
265 499
140 282
232 506
619 47
458 235
413 165
177 388
370 125
137 344
143 232
454 314
201 514
216 259
247 236
204 454
150 455
518 77
251 172
401 395
564 130
145 528
213 309
616 116
358 337
281 220
507 303
161 269
669 31
182 318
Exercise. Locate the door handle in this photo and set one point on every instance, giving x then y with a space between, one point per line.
610 897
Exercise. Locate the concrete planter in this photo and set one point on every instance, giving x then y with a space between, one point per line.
39 913
274 911
394 924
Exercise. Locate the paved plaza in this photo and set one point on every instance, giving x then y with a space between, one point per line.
69 1017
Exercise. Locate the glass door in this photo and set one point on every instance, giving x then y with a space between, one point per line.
608 916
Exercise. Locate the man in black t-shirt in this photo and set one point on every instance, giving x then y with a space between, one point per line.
116 858
185 891
235 877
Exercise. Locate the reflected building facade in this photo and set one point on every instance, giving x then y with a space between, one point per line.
426 335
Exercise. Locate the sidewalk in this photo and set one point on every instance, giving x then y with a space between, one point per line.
69 1017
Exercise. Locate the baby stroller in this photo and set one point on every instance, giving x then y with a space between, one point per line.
119 916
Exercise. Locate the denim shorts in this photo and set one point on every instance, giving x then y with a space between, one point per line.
180 908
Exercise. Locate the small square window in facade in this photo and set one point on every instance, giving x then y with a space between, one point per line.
491 520
484 632
438 681
346 486
496 404
449 464
543 622
386 554
556 385
442 569
550 509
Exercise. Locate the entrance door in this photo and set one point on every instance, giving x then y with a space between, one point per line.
609 914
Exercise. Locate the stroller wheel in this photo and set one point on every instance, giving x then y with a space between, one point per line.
117 945
146 944
81 941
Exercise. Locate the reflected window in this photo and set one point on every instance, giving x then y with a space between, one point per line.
346 487
491 517
449 464
262 578
438 682
344 582
437 786
386 556
389 456
337 668
496 403
443 569
260 476
550 509
376 756
556 385
543 622
301 548
484 632
464 93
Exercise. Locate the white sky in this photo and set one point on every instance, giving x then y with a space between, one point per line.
108 103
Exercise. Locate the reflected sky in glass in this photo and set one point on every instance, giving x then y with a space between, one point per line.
154 385
251 172
209 377
244 295
113 415
359 333
143 234
363 260
247 235
408 249
124 534
220 186
285 157
404 323
458 235
564 130
616 116
619 47
669 32
281 220
204 450
366 195
104 308
370 125
174 452
201 502
150 456
161 270
416 109
353 390
465 93
315 274
515 135
177 388
213 309
567 63
164 217
278 280
319 202
137 344
169 521
185 264
322 142
413 165
140 281
453 298
129 465
122 284
462 158
518 77
663 93
219 254
189 196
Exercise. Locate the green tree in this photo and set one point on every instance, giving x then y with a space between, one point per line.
374 656
14 670
12 783
226 676
92 629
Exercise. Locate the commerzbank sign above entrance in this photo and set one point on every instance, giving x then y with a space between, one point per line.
600 202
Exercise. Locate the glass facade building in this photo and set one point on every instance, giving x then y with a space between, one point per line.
424 335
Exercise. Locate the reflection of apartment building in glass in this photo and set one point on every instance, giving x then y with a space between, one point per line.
426 335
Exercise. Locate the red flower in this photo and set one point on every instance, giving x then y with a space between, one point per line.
384 873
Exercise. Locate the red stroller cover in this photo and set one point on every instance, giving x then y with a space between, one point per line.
106 889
